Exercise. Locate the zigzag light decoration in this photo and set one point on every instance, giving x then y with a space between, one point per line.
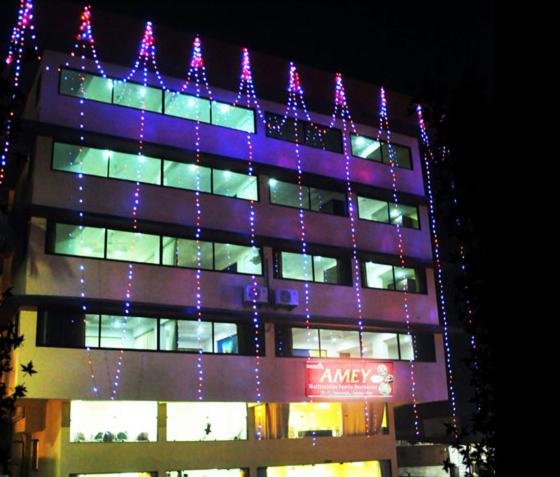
428 159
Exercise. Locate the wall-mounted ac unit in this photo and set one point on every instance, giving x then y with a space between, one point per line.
286 297
261 295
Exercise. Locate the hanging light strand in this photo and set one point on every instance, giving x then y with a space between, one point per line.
428 160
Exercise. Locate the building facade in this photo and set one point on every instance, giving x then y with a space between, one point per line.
137 284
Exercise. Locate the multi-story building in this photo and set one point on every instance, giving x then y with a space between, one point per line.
141 373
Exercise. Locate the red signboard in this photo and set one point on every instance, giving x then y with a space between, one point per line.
346 379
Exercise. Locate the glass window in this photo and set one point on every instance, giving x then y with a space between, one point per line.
285 193
208 473
401 155
322 137
182 253
184 176
407 348
137 96
133 167
168 334
113 421
373 468
85 85
187 106
92 331
237 259
279 129
320 419
87 160
194 336
406 279
340 343
233 184
296 266
372 209
366 148
225 338
404 215
328 201
305 343
206 421
131 332
79 240
118 474
326 270
380 345
379 275
233 117
132 246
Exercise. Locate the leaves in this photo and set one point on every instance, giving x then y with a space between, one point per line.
28 368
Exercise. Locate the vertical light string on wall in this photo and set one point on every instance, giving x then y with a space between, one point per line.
246 89
23 28
384 128
341 111
428 160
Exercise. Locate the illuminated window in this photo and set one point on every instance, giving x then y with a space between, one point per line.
401 155
404 215
319 419
183 252
206 421
233 184
132 246
389 277
340 343
130 332
85 85
372 209
225 338
366 148
121 474
380 345
285 193
187 106
407 349
347 469
305 342
406 279
137 96
133 167
113 421
233 117
237 259
379 275
67 157
326 270
208 473
80 241
184 176
296 266
92 323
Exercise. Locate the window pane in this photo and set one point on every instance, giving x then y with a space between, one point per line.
237 259
130 333
296 266
401 155
340 343
380 345
405 215
286 131
372 209
322 137
406 279
186 106
327 270
137 96
284 193
425 347
379 276
366 148
206 421
307 419
113 421
168 332
182 253
225 338
184 176
233 117
133 167
407 350
61 328
132 246
233 184
207 473
79 240
328 201
92 331
84 85
306 343
67 157
194 336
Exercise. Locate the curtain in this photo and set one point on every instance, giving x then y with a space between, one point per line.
277 417
353 419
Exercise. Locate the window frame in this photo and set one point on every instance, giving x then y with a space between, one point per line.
420 273
381 142
278 267
388 212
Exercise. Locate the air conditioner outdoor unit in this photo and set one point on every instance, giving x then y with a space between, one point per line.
261 295
286 297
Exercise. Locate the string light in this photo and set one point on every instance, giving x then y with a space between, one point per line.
428 159
23 28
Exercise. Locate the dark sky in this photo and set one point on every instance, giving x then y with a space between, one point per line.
401 44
